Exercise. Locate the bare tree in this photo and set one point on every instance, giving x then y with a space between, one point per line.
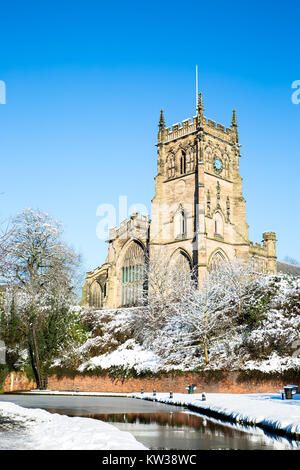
291 260
213 310
164 284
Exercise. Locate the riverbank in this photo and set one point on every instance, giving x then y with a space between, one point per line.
75 393
36 429
267 411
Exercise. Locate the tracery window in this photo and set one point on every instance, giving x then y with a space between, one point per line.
95 299
208 159
226 161
228 209
218 225
183 163
179 223
190 160
132 274
208 202
181 269
217 259
171 170
181 260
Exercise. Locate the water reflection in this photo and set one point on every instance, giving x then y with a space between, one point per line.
186 430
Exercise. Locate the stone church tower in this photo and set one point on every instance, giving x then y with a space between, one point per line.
198 213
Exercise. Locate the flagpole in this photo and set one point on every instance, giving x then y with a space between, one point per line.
196 86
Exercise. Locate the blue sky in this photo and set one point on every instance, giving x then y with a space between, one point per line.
85 84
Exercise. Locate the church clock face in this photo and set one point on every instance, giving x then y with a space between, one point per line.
218 165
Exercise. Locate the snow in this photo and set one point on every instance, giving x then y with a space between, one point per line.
251 323
129 355
274 363
265 410
24 429
275 441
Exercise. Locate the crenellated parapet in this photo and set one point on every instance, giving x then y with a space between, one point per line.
188 126
264 254
134 227
257 249
199 125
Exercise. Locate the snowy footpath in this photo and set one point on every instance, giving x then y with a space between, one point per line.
265 410
35 429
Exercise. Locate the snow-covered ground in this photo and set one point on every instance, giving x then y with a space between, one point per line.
265 410
35 429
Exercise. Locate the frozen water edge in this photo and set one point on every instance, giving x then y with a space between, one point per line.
88 394
35 429
265 410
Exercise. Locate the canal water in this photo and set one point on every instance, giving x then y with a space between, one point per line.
159 426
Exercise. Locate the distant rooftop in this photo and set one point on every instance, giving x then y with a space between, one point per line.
287 268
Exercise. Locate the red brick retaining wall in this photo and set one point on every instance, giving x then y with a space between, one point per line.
230 384
18 381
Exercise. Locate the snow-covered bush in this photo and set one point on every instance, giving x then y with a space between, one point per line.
109 328
238 320
277 325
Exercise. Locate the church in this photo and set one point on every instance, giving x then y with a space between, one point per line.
198 214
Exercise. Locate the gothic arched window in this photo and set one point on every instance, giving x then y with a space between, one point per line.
208 202
218 258
179 223
95 295
218 224
183 163
190 160
171 166
132 274
208 158
181 259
